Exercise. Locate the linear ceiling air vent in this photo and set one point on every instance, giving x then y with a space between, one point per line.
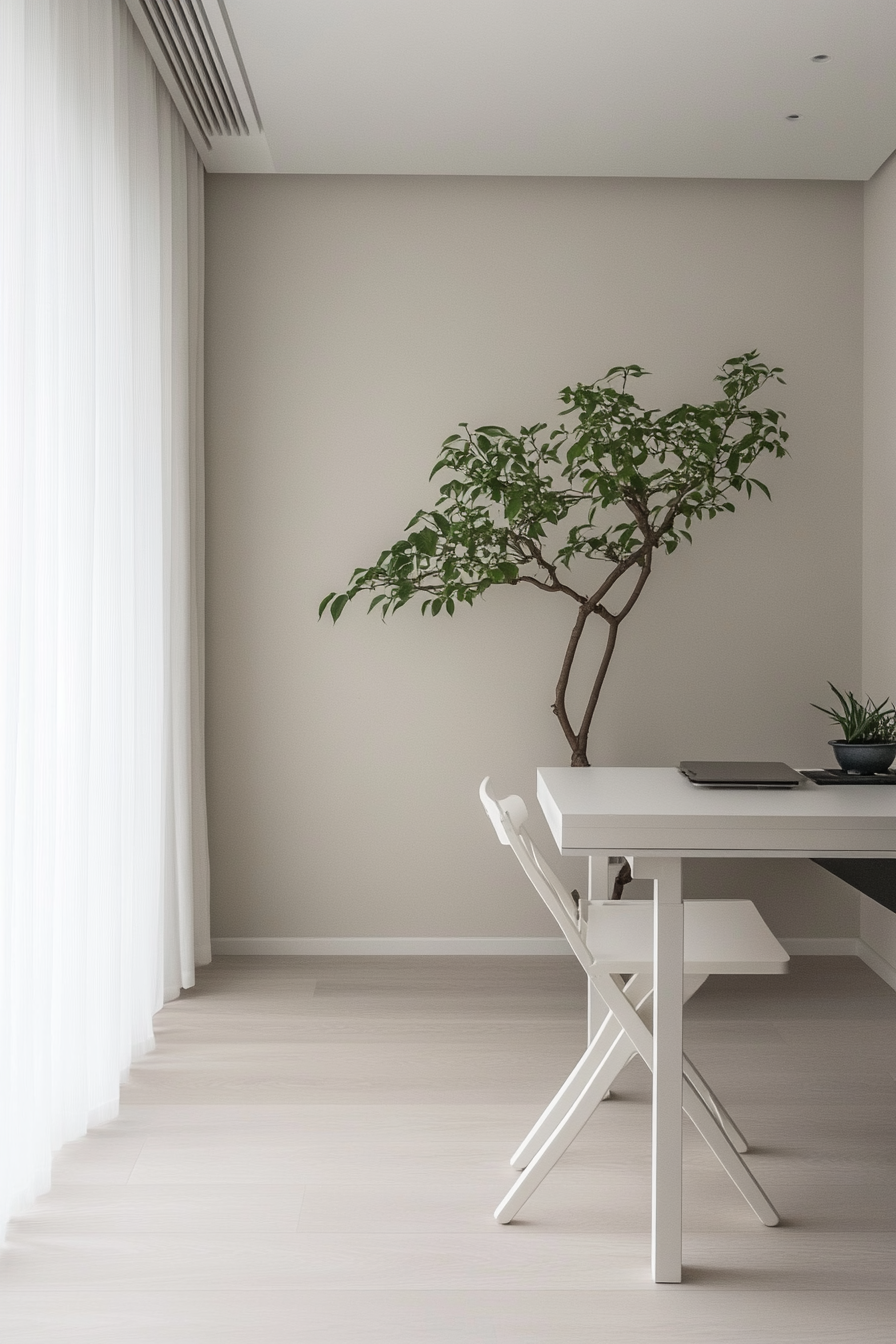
192 43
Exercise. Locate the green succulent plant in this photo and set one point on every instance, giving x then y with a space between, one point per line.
862 722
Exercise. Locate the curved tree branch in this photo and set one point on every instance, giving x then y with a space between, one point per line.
580 752
614 623
559 705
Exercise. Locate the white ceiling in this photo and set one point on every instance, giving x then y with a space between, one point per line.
654 88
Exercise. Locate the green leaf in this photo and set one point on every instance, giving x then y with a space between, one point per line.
337 606
513 504
868 722
323 606
425 541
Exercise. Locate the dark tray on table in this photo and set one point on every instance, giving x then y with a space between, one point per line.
841 777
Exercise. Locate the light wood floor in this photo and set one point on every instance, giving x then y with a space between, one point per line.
314 1150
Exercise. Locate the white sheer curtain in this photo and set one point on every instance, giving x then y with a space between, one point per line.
103 855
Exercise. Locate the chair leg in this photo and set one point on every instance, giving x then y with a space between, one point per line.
690 985
578 1082
696 1109
576 1117
705 1092
693 1105
637 991
596 1011
706 1124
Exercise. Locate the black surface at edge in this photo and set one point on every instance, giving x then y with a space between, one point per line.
873 877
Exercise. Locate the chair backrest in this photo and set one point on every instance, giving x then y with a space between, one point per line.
509 817
514 807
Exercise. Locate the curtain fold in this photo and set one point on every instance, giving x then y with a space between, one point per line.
103 851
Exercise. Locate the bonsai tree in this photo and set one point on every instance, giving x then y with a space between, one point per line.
626 482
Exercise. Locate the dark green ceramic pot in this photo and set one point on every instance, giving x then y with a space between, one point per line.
864 758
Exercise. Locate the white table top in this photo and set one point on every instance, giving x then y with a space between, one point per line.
622 810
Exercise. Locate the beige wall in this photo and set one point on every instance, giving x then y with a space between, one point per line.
878 926
351 323
879 584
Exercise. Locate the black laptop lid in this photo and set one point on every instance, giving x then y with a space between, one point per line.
740 774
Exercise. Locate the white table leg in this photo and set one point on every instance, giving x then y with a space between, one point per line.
598 869
668 952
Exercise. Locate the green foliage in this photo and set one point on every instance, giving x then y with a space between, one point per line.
612 482
501 492
859 722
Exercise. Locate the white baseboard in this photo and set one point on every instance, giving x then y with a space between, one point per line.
390 947
822 947
501 947
876 962
842 947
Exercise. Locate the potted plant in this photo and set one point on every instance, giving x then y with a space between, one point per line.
630 481
868 743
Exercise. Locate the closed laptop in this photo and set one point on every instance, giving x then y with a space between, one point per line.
740 774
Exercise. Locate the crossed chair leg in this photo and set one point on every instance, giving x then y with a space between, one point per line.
626 1031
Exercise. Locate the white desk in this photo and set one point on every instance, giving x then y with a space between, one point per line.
657 817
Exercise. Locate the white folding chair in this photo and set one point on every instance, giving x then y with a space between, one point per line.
616 940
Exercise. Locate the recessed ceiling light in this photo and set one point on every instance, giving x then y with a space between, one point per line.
792 116
820 57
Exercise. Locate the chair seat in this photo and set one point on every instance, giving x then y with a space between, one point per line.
720 938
